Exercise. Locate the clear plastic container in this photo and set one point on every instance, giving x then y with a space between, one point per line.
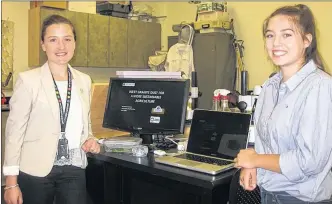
140 151
121 144
216 103
224 104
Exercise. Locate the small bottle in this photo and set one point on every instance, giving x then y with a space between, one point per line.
190 111
224 104
216 103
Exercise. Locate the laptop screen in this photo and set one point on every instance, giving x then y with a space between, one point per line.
218 134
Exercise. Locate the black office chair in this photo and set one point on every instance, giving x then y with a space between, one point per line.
237 195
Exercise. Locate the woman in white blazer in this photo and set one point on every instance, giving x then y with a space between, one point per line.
48 131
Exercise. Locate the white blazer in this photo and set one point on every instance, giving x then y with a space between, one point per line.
33 125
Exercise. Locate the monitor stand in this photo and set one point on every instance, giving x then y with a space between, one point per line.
147 138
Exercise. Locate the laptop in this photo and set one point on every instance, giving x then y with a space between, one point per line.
215 139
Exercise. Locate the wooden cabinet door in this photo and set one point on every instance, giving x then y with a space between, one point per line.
98 40
34 47
137 44
118 36
144 39
80 22
101 41
153 40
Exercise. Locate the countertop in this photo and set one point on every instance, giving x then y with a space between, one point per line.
147 164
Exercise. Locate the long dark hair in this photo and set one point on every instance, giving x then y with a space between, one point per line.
305 21
56 19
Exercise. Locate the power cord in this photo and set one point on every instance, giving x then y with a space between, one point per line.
168 138
181 145
168 142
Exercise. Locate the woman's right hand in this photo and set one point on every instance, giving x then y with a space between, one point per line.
248 179
13 196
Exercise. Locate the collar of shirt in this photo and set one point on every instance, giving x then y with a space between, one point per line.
295 80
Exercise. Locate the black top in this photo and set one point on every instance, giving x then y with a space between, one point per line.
148 165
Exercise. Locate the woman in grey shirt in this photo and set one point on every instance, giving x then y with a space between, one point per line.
292 159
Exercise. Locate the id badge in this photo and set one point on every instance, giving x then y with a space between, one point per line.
63 149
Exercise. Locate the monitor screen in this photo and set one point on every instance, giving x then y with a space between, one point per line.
147 106
218 134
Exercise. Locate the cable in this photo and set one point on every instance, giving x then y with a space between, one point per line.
168 138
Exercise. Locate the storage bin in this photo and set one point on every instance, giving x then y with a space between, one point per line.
121 144
215 30
105 7
211 6
212 24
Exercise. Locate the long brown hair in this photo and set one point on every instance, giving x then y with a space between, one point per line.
305 21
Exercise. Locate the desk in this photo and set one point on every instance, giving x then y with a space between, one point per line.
114 178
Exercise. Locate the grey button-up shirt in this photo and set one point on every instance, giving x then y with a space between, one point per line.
294 119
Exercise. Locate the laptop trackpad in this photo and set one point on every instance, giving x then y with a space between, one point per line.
188 163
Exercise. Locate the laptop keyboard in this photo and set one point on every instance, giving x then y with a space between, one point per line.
208 160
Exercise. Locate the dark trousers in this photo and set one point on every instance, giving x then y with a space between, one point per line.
64 185
284 198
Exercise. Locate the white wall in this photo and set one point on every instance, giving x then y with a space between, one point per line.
82 6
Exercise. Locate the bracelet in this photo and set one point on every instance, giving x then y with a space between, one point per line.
10 187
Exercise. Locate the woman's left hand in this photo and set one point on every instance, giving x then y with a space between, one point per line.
246 159
91 145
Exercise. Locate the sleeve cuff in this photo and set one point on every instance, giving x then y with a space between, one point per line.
290 168
11 170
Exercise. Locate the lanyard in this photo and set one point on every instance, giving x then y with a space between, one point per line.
64 114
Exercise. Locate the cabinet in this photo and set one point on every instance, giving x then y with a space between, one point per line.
123 179
98 41
102 41
215 64
80 22
136 44
118 44
36 55
153 44
143 40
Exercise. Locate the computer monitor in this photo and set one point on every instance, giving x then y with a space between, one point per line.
147 106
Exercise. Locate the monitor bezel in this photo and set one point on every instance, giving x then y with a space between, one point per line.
193 135
140 130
